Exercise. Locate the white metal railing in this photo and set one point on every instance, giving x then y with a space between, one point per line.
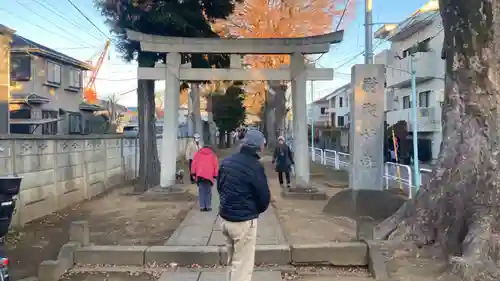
399 174
317 155
394 173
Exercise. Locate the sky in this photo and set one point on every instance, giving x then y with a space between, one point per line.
58 25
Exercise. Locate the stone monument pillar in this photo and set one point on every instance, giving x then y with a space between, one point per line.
366 140
5 38
300 131
168 157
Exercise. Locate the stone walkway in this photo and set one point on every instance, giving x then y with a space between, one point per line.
203 228
217 276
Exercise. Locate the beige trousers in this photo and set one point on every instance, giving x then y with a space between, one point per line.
240 242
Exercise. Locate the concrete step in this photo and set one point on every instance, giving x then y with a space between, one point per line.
337 254
217 276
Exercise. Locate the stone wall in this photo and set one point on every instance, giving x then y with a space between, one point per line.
59 171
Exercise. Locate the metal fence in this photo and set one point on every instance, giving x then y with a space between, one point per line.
395 175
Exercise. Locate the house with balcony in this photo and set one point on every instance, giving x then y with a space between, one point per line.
425 27
331 118
46 93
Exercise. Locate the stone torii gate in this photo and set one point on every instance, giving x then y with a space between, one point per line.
173 72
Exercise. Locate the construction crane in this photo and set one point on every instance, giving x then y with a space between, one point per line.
90 93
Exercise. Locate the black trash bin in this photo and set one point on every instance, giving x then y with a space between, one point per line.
9 187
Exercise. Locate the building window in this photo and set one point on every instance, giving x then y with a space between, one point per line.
323 110
53 73
341 102
406 102
423 98
75 123
333 102
332 119
20 67
75 78
340 121
51 127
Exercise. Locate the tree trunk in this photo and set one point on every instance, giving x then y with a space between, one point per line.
458 211
270 119
210 120
228 140
221 139
149 163
279 107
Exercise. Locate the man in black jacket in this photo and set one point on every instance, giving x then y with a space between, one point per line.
244 195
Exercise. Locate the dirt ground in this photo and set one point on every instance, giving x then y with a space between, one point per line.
115 276
406 262
303 221
114 218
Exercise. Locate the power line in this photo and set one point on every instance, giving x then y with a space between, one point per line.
58 13
74 48
116 80
42 17
378 44
336 28
343 14
39 26
127 92
91 22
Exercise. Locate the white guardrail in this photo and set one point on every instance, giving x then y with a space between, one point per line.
395 174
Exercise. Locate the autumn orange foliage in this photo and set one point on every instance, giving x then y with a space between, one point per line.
280 19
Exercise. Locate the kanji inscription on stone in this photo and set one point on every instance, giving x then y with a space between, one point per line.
369 84
371 108
368 133
367 162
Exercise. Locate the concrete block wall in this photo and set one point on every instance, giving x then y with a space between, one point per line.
59 171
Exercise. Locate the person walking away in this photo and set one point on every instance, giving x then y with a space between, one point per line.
244 195
204 170
192 147
283 158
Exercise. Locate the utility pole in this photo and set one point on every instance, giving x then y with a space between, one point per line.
368 32
420 47
414 117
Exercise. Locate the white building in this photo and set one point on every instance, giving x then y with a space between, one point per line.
424 26
332 110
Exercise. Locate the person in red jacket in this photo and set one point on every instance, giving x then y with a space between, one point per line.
205 169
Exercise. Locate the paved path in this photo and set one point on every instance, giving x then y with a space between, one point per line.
217 276
203 228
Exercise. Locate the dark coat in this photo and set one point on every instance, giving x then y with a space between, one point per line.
283 158
242 186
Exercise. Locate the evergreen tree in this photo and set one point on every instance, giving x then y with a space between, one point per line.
183 18
229 111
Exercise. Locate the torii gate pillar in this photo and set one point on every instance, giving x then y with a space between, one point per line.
170 121
299 107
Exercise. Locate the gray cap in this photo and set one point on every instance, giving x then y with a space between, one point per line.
254 138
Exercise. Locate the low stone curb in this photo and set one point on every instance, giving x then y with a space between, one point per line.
377 264
53 270
336 254
319 195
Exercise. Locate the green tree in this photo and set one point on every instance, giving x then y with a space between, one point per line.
229 111
167 18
